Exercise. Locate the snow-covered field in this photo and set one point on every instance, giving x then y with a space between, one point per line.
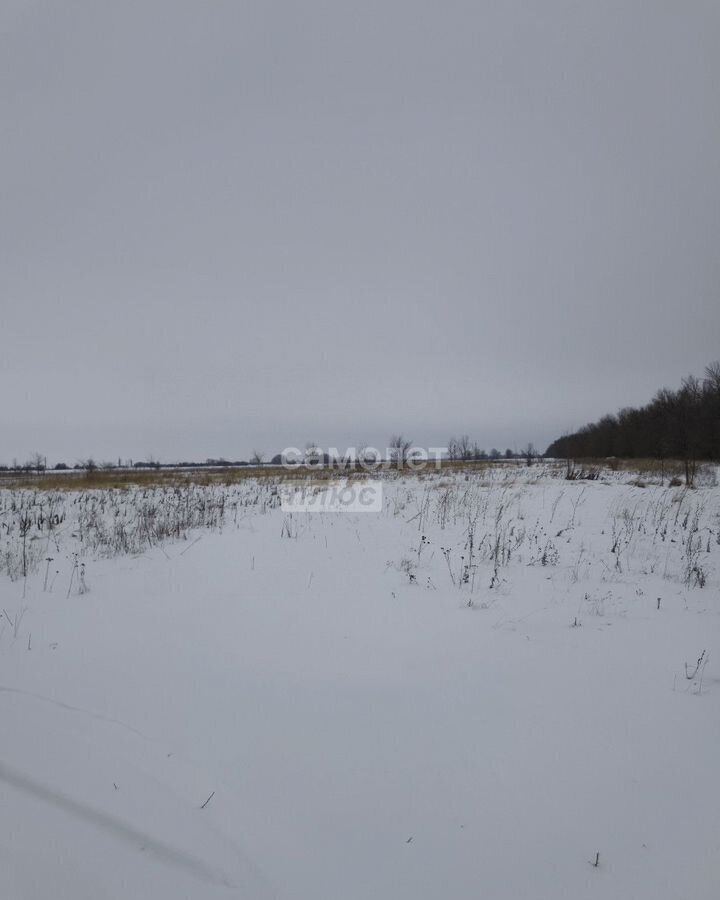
470 694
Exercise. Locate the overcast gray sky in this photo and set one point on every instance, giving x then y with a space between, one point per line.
227 225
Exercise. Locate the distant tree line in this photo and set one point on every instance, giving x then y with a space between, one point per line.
38 463
399 448
682 424
463 448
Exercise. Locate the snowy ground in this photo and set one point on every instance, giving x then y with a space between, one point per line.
375 708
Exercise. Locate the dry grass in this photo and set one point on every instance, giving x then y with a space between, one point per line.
70 480
120 478
150 478
669 467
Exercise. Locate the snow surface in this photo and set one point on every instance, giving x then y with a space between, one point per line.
369 718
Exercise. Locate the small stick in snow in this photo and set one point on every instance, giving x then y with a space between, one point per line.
191 545
208 800
48 560
597 860
72 575
688 674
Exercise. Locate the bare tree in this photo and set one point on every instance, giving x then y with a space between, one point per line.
36 463
257 458
712 378
461 448
529 453
399 447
